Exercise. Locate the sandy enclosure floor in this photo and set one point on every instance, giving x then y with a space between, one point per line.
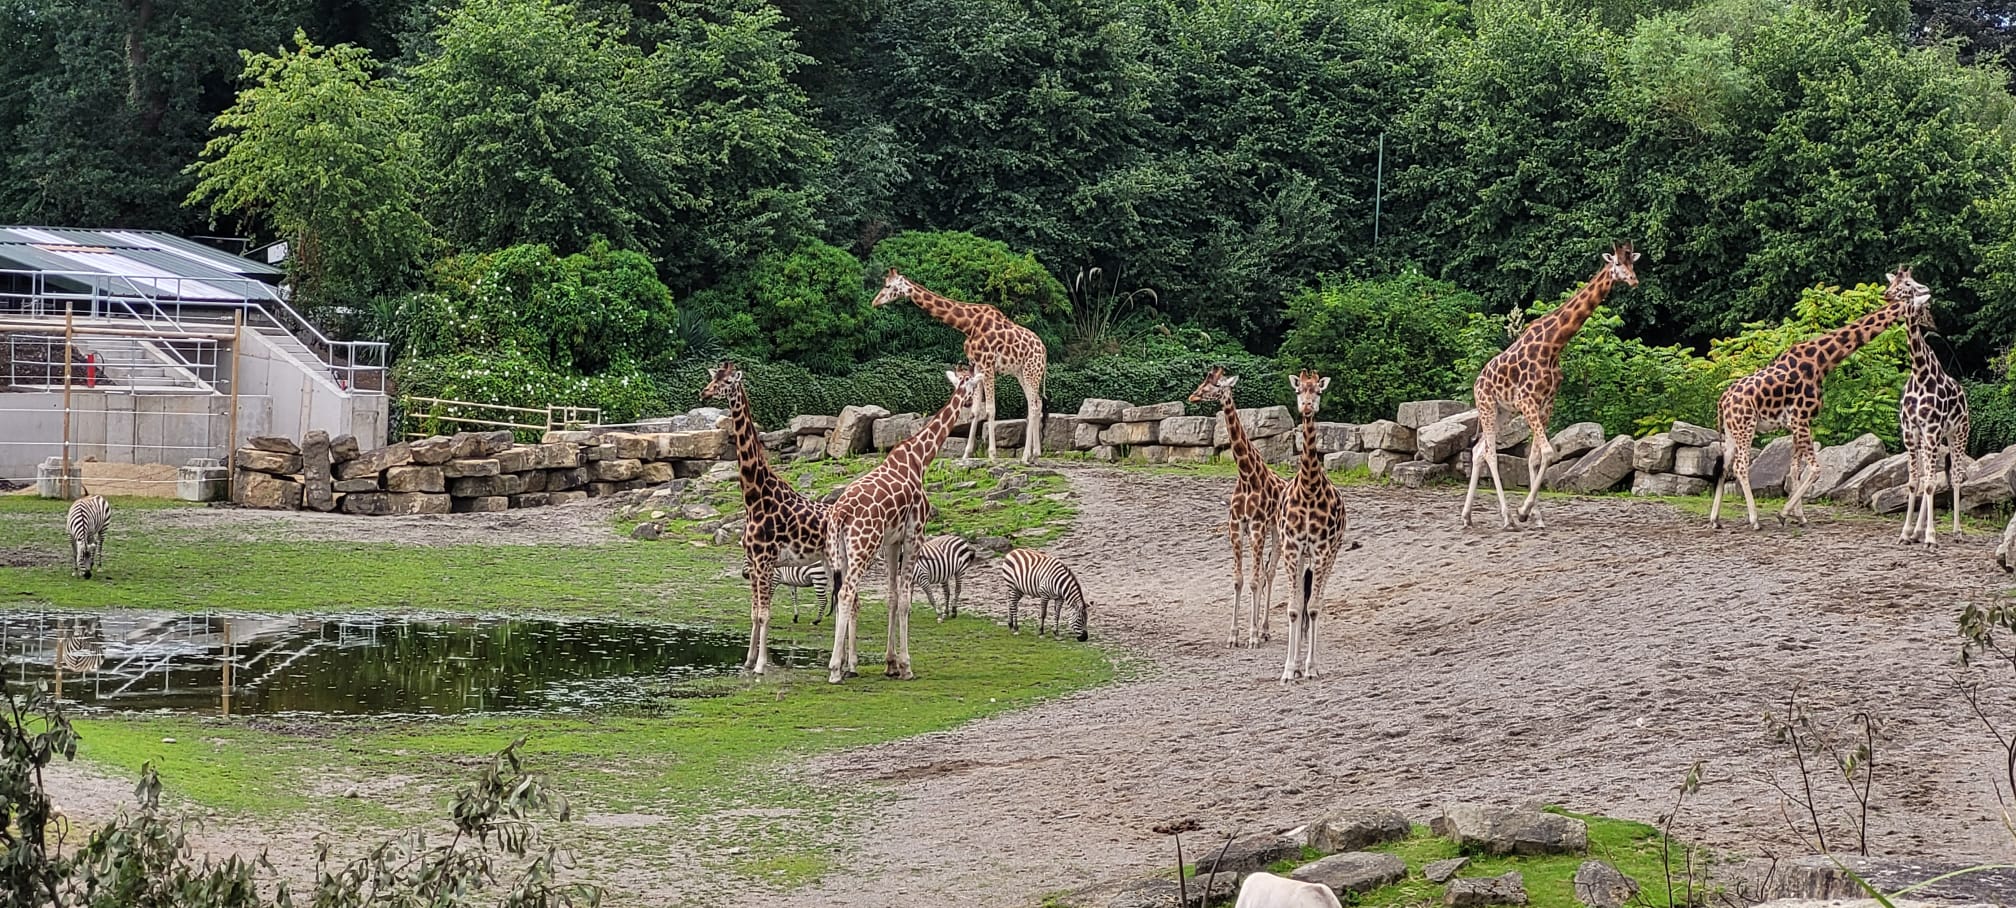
1588 664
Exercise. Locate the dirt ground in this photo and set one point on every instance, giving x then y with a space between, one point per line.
1588 664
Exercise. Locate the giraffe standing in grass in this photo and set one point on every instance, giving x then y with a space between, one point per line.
1527 375
1786 394
1932 412
783 528
1312 531
1256 513
994 344
883 514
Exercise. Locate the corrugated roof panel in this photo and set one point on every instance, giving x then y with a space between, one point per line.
152 263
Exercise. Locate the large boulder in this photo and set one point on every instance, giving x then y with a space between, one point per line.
438 449
1354 872
1498 830
1692 461
1576 440
480 466
1417 413
1599 885
1474 892
1441 440
375 461
1988 481
1818 877
260 460
1282 449
698 419
1667 484
1687 433
1602 469
1332 437
278 444
1414 474
628 446
1345 461
1653 454
1188 431
1128 433
1152 412
695 444
811 424
1513 470
517 459
343 448
1249 853
263 490
1387 435
415 478
1771 468
1357 830
1085 435
616 470
853 434
1099 411
891 430
1381 463
1258 422
1009 434
1059 431
417 503
1841 462
1888 473
318 485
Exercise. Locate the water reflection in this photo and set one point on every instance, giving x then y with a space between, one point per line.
240 664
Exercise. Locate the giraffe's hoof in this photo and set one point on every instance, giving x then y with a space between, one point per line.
794 620
835 677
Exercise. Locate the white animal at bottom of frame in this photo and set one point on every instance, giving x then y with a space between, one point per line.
1265 890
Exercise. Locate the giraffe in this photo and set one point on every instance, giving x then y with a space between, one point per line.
882 514
783 527
1932 414
994 344
1526 375
1256 512
1786 394
1312 531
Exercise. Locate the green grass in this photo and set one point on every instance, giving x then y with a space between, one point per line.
705 761
1633 848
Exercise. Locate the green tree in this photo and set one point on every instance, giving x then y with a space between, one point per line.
535 127
1384 341
315 148
808 306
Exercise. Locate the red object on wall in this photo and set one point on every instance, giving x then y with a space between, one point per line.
90 370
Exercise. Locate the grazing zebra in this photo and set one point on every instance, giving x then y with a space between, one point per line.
812 576
941 561
89 516
1042 577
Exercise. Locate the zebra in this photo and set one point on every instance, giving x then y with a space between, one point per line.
812 576
89 516
941 561
1042 577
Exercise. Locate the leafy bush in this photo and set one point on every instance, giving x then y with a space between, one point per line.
807 306
1385 341
1991 411
624 395
1861 393
969 269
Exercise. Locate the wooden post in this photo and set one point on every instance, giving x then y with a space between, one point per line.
69 332
231 452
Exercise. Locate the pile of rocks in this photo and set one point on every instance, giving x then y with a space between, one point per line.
1351 871
468 471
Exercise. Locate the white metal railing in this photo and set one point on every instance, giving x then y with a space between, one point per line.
427 416
35 362
175 305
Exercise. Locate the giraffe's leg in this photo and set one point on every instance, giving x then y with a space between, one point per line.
1316 609
1536 466
1956 473
993 417
846 605
1032 437
1922 462
1487 448
759 619
1266 537
1238 574
978 408
1910 527
1806 466
1291 669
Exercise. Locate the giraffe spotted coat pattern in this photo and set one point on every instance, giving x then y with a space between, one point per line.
1255 514
995 344
1932 416
1312 532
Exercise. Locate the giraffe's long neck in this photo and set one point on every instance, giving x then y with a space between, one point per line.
753 462
915 453
1309 466
1830 349
1244 454
961 316
1923 360
1553 331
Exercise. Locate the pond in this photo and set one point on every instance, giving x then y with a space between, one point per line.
248 664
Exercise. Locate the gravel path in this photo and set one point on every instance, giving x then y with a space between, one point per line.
1588 664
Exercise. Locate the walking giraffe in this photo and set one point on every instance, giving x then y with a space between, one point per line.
1255 512
1526 375
1786 394
783 528
1312 531
883 514
994 344
1932 414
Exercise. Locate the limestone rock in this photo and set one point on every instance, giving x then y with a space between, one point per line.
629 446
1100 411
1417 413
1060 432
560 498
1441 441
616 470
1667 484
1387 435
343 448
1189 431
1600 885
1888 473
1278 448
260 460
698 444
567 437
1148 453
1356 872
1332 437
891 430
1258 422
1417 473
1689 461
486 466
1152 412
1469 892
1128 433
480 505
1497 830
438 449
346 486
1770 469
517 459
317 472
1441 871
778 440
1250 853
1512 430
854 433
655 473
810 424
1687 433
1576 440
564 480
278 444
529 500
1381 463
1816 877
1104 453
1173 454
1513 471
1841 462
415 478
1345 461
1009 434
1357 830
368 504
464 444
262 490
1989 481
417 503
1653 454
1602 469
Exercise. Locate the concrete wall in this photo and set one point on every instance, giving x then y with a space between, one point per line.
304 399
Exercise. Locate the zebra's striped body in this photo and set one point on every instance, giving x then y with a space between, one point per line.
798 577
89 516
941 561
1039 576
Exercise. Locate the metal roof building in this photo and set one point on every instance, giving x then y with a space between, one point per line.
147 263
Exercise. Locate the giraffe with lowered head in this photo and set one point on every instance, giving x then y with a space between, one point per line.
1932 412
994 344
1312 531
1786 394
1527 375
1255 515
783 528
883 514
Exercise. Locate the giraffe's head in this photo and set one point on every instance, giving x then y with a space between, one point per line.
1217 387
1309 388
1909 295
723 382
1623 264
894 287
965 386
